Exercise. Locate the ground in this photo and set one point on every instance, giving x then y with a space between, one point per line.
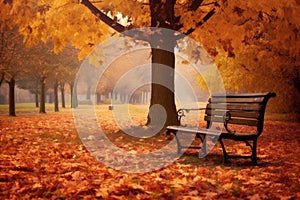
42 157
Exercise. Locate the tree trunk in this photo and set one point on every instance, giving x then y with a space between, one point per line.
2 78
36 99
51 97
71 88
98 98
55 88
163 64
74 102
88 93
62 91
37 94
12 108
162 88
42 95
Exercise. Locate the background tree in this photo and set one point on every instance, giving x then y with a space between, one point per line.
70 64
42 64
31 83
11 57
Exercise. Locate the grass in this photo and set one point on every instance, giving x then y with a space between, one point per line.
29 108
24 108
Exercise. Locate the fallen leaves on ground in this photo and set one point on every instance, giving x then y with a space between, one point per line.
43 157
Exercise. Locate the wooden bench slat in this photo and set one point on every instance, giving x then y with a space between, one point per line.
246 107
194 130
241 121
245 95
236 100
205 131
244 114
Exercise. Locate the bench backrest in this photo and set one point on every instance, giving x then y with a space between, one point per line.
243 109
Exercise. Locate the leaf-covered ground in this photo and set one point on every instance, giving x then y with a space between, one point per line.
43 158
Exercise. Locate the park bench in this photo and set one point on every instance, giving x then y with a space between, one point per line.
231 111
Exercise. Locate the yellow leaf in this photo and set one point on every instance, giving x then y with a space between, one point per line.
227 186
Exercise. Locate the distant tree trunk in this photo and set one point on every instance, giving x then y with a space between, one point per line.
36 99
62 91
51 97
42 95
37 94
55 89
12 108
2 78
88 93
98 98
71 88
74 101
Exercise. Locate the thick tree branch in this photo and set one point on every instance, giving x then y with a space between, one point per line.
195 5
204 19
103 17
8 1
114 24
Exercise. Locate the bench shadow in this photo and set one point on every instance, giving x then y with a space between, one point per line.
191 158
216 159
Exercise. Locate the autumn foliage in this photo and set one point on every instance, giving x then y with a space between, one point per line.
255 45
42 157
260 38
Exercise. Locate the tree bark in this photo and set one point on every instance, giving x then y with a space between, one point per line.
12 108
163 63
74 101
162 88
55 88
42 95
62 91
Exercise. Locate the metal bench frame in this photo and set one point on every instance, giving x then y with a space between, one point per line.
241 109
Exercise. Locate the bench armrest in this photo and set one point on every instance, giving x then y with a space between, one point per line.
182 112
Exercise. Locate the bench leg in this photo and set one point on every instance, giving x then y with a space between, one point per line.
178 144
253 148
254 153
199 136
177 140
202 152
225 155
207 139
